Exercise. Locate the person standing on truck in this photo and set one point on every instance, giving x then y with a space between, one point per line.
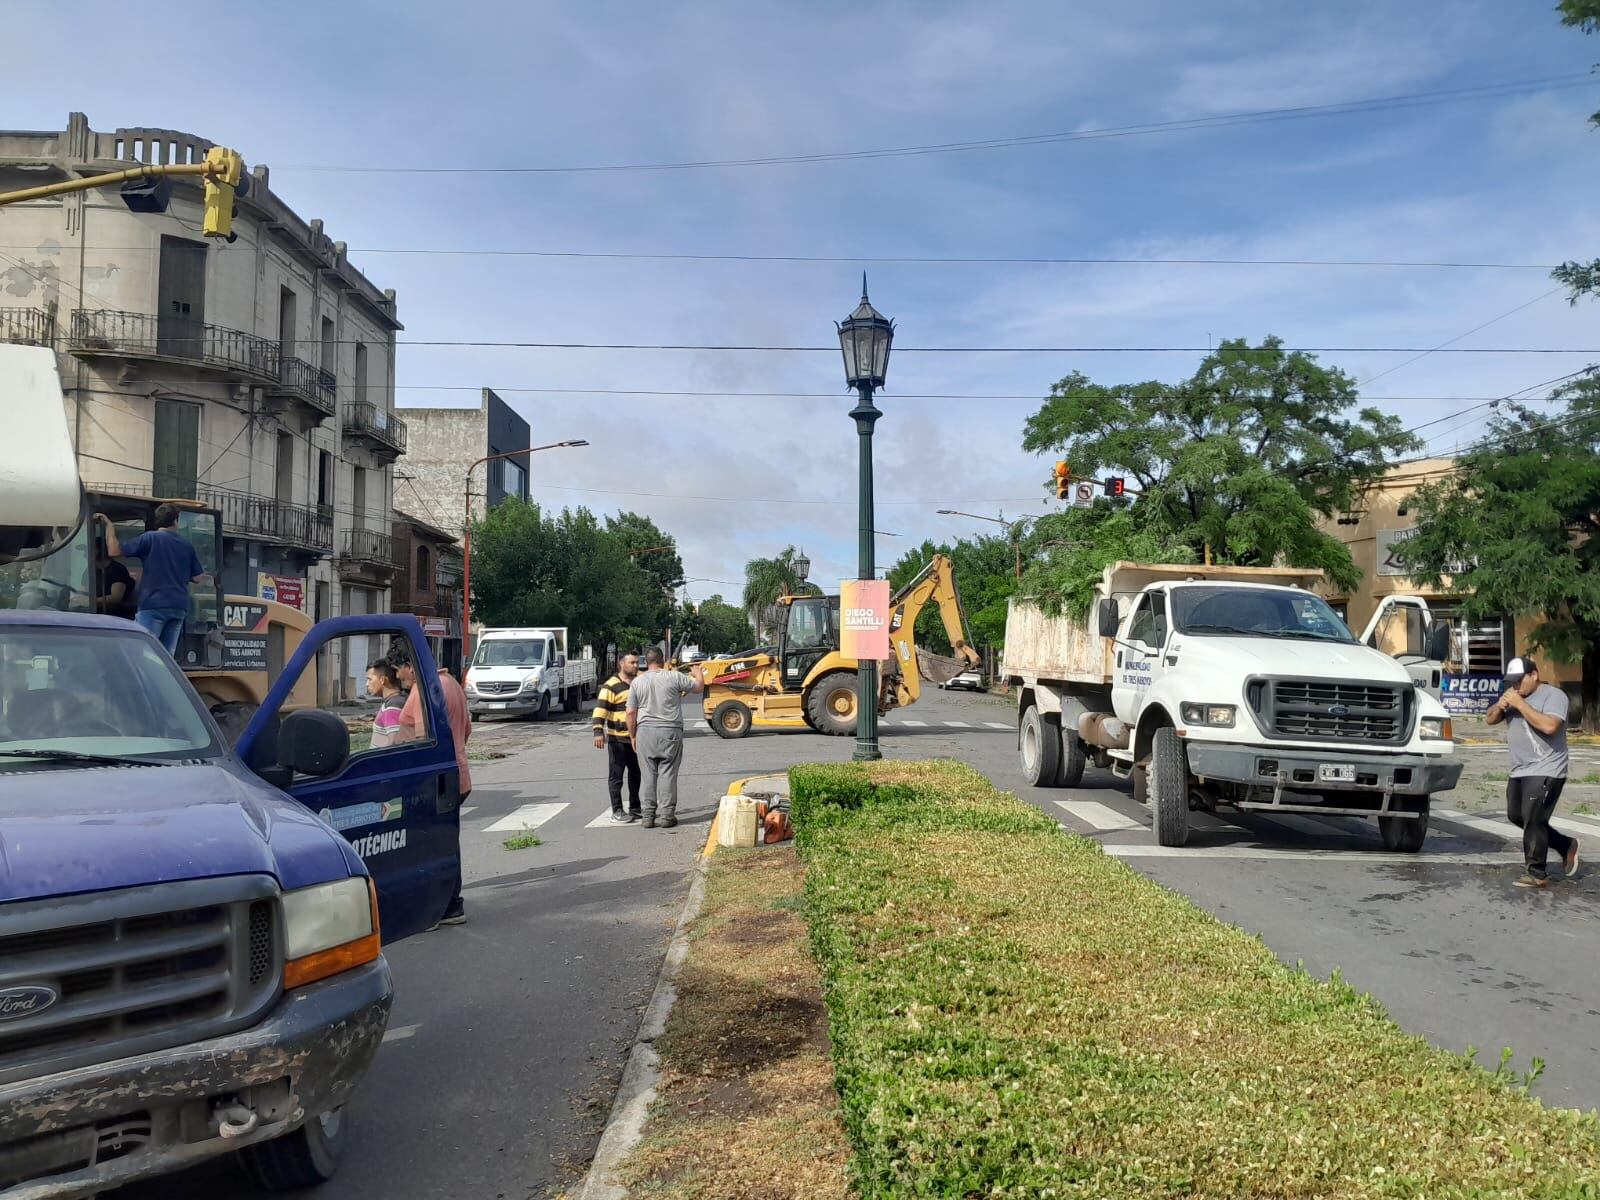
655 726
611 735
1537 740
170 566
413 725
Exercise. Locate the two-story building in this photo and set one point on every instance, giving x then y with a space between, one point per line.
255 375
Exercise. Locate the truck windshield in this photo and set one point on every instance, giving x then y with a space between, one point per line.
510 652
67 692
1255 612
64 581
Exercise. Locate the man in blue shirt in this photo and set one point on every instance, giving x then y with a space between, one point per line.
170 566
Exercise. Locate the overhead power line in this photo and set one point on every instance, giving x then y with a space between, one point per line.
1217 121
757 349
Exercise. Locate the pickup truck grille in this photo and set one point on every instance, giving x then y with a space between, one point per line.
499 688
1333 710
134 971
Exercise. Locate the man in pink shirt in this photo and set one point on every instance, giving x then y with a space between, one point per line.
414 724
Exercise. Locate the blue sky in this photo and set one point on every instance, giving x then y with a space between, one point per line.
402 84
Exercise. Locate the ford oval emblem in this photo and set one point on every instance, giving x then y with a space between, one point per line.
26 1000
1339 710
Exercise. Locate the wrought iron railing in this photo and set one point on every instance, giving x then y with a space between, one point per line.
366 418
244 515
27 326
315 386
368 546
143 334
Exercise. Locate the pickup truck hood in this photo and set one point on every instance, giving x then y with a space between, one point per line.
1299 657
66 830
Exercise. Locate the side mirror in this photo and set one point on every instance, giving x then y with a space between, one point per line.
1108 619
1439 642
561 660
313 742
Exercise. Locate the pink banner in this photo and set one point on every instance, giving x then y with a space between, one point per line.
864 619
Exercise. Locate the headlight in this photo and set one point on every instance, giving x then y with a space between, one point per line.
531 682
328 928
1438 729
1220 715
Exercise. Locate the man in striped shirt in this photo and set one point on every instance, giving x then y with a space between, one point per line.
611 735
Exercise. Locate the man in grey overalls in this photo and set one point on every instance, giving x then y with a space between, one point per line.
655 723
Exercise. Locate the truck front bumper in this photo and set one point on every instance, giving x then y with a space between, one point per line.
1301 769
503 706
79 1132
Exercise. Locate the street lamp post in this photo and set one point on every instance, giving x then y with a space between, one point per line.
466 537
1016 542
864 337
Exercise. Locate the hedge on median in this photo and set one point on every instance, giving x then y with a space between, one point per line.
1015 1013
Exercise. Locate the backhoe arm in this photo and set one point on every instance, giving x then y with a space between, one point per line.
937 582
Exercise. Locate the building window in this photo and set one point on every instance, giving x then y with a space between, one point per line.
513 479
285 468
361 372
325 482
330 348
424 579
358 493
286 322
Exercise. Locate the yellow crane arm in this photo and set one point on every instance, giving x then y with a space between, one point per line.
937 582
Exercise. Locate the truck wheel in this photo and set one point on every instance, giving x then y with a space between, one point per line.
731 719
1405 835
1169 788
232 717
308 1156
1039 744
544 707
1074 757
831 704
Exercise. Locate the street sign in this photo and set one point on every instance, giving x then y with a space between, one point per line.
1083 494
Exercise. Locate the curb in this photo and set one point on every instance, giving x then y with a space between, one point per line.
637 1090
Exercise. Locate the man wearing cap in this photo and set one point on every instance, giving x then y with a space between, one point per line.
1537 740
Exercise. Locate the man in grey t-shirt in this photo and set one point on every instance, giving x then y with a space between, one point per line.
655 723
1537 740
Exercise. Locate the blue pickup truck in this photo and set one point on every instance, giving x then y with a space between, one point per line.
190 935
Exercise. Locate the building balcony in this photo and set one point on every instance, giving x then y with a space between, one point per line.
114 334
367 554
447 574
311 389
377 429
27 326
263 518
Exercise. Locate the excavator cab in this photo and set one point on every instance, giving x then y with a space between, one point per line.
810 632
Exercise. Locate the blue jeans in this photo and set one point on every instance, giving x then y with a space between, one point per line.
165 624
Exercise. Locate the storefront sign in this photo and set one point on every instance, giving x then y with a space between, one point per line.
864 619
435 627
285 589
1470 695
1389 540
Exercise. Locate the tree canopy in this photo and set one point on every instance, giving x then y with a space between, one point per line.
717 627
1581 278
985 578
765 579
1517 527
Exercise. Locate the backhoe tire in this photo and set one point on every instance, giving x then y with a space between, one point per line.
1169 788
232 717
731 719
1074 758
1039 747
308 1156
831 704
1405 835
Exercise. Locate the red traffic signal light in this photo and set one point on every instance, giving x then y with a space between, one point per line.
1063 481
1116 486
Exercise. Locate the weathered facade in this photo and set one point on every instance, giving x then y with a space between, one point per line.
255 375
427 584
445 442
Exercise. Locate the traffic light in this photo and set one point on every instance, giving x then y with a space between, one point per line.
1116 486
1063 481
224 178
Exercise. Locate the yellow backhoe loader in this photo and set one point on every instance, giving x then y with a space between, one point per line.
805 682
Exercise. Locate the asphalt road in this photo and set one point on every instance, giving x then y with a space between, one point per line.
509 1033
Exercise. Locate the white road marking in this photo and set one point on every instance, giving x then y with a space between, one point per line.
469 810
1490 825
1349 856
400 1033
603 820
1099 816
996 725
915 724
958 725
529 816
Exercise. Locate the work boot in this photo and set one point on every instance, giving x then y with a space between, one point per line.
648 823
668 822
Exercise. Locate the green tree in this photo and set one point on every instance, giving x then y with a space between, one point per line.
654 552
1517 528
1580 278
1242 458
765 579
718 627
1074 547
985 569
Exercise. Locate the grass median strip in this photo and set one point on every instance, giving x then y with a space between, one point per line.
1015 1013
745 1107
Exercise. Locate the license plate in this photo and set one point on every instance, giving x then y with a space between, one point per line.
502 704
1336 773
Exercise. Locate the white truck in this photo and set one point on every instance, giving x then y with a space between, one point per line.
517 671
1238 686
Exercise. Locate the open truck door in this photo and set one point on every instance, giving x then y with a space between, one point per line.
398 805
1404 628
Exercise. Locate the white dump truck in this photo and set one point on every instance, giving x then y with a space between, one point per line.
515 672
1239 686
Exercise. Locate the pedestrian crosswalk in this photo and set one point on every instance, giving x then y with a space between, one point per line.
527 816
576 729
